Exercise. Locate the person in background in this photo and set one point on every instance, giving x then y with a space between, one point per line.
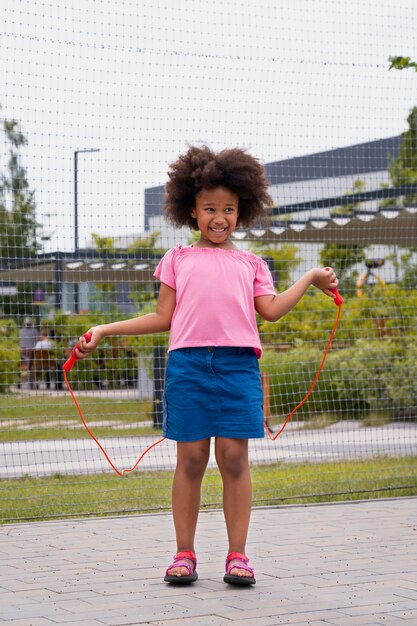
46 343
28 336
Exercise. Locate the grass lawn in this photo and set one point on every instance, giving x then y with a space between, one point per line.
50 417
55 417
100 494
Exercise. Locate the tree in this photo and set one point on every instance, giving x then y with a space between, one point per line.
342 258
358 186
284 260
18 226
402 63
147 245
403 171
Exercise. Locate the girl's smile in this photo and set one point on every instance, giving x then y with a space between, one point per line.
216 211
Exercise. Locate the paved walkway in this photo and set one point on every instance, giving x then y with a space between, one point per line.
350 564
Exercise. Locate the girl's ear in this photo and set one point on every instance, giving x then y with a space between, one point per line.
193 212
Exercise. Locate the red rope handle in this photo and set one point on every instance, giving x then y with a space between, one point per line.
119 472
313 384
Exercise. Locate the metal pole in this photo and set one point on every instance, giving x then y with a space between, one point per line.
159 355
76 202
76 240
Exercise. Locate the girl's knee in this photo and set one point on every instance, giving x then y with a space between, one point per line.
193 459
232 460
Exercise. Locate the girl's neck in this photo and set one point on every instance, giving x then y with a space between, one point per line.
204 243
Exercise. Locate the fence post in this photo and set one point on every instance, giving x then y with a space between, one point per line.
158 384
266 386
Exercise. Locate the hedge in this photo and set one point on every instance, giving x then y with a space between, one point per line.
378 373
388 311
372 375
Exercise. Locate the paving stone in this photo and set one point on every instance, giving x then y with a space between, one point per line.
204 620
332 564
37 621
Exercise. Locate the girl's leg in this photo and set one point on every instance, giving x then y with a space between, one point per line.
192 459
232 459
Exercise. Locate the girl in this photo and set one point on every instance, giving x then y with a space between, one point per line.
209 295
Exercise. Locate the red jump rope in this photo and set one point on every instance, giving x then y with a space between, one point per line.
68 365
338 300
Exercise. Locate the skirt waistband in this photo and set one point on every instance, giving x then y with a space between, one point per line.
218 349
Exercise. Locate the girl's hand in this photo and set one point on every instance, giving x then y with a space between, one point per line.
325 279
84 346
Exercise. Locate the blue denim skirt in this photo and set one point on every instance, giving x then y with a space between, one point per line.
213 392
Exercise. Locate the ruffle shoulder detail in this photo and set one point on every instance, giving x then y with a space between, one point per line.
250 256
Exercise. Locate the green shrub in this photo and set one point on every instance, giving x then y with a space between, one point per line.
115 361
382 311
362 371
9 354
291 375
371 376
401 383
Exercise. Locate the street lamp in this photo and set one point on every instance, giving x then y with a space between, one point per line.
76 153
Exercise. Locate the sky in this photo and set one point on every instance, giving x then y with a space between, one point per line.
141 80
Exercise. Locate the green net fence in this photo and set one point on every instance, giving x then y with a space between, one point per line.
97 99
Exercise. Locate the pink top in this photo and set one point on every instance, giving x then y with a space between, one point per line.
215 295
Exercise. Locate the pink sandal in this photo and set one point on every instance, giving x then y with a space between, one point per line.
179 561
236 559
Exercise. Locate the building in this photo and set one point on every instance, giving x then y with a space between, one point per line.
303 179
309 192
313 199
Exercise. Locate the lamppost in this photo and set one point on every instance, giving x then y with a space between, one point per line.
76 153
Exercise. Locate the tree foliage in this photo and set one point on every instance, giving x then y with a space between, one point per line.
284 259
403 171
19 229
402 63
18 225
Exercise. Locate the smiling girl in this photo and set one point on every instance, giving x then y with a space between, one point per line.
209 295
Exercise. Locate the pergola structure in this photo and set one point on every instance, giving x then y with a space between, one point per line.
307 222
315 222
83 266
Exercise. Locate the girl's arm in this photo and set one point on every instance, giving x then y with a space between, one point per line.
271 308
156 322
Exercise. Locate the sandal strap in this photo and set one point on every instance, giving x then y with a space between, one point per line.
237 555
241 562
180 562
187 554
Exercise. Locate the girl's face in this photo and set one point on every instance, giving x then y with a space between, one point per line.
216 211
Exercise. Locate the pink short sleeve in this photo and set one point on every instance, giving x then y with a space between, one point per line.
264 284
165 270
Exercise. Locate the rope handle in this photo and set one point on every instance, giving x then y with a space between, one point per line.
69 364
